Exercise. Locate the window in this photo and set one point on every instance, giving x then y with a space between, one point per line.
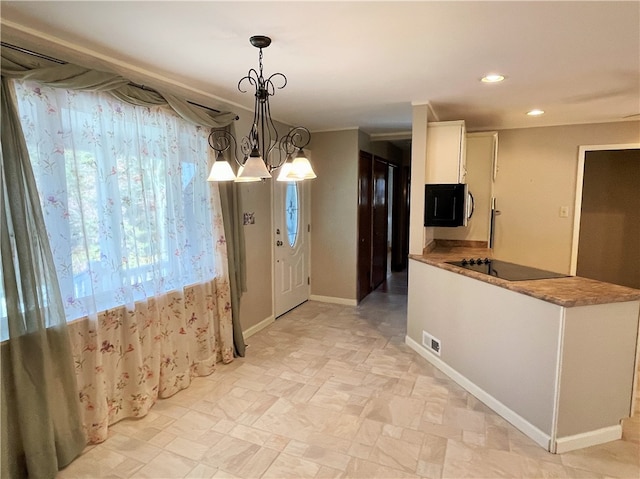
124 194
291 212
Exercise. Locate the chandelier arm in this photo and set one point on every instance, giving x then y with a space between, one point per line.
299 137
287 146
245 147
252 81
220 140
271 86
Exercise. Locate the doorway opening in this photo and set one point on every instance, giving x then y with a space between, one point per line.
383 196
607 215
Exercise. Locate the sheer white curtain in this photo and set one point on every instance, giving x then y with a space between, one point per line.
137 238
125 195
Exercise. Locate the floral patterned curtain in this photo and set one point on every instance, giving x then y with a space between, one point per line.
135 355
137 237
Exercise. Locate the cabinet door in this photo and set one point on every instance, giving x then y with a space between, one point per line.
445 152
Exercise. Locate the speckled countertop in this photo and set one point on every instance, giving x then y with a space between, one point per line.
568 292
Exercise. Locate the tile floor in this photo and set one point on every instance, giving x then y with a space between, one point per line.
332 391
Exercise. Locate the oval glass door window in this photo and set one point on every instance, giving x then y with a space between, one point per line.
291 212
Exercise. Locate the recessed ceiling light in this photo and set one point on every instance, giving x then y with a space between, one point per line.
535 112
492 78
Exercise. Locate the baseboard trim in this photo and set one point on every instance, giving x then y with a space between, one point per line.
258 327
538 436
588 439
334 300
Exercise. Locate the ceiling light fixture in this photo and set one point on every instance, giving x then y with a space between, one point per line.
492 78
262 148
535 112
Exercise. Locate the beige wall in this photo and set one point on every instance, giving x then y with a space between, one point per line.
598 352
419 236
537 170
256 303
334 214
608 248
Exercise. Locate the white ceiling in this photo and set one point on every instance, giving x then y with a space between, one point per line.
362 64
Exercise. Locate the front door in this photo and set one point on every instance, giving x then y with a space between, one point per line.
291 236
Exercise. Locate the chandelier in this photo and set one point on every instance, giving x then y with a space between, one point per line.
263 149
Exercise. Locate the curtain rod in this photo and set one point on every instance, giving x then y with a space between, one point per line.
61 62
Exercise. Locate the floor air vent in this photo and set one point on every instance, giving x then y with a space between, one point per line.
431 343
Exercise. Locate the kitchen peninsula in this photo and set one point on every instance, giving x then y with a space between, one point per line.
555 357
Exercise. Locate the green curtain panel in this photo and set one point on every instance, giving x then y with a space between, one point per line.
19 65
234 232
41 427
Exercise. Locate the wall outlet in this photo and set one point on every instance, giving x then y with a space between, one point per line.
564 212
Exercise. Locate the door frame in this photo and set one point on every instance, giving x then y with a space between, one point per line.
577 208
399 237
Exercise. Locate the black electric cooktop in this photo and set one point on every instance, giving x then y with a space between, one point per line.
505 270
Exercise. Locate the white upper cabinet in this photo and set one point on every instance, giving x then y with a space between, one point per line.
446 152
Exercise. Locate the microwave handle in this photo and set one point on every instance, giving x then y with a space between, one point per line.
473 206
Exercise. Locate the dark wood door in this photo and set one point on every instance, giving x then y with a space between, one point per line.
380 225
400 226
365 204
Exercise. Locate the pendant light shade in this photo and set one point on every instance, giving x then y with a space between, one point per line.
284 172
301 168
245 179
221 170
255 167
